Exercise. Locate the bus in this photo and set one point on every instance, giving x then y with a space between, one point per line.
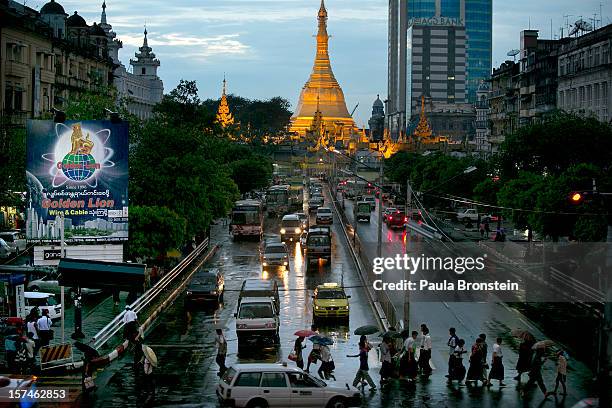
277 200
247 219
296 192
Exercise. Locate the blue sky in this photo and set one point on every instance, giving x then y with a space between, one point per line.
266 47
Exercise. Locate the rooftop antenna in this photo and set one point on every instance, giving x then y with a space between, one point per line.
567 24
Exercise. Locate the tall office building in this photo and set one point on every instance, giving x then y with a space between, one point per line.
474 15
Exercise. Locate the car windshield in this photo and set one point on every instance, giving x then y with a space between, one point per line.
228 376
275 250
324 211
318 240
255 311
303 380
245 218
331 294
205 280
363 207
292 223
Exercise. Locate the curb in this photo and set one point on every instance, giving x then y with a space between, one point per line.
376 307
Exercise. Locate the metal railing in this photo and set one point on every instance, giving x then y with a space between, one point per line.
151 295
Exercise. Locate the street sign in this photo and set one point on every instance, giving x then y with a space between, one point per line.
20 301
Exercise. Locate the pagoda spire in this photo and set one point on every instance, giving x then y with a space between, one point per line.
145 43
103 18
224 116
423 131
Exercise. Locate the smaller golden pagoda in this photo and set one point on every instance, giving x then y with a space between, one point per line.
423 131
224 116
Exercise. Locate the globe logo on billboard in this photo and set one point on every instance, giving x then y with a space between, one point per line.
79 164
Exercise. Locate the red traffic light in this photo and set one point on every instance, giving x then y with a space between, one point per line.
576 197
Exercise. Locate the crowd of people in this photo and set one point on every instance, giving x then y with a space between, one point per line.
22 347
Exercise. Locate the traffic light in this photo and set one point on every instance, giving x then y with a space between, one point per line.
578 197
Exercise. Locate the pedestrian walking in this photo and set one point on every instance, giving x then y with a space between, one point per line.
363 372
535 373
32 328
221 343
561 372
21 356
523 364
497 365
45 332
408 363
327 364
452 344
30 347
386 369
475 370
297 349
487 227
315 352
485 353
457 371
425 355
130 324
481 229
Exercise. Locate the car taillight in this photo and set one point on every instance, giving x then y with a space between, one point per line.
405 219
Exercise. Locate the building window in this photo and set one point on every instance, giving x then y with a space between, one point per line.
144 71
604 94
589 96
596 94
596 56
561 100
605 53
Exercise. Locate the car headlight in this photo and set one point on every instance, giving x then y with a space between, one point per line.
214 292
189 292
285 263
345 307
265 264
282 231
317 307
298 230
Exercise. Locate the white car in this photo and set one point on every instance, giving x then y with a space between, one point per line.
324 215
276 385
15 240
275 255
257 321
44 301
49 283
5 250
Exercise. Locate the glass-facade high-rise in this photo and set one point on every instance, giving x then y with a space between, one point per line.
477 15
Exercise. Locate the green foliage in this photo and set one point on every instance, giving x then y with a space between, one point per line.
251 174
521 193
12 165
154 231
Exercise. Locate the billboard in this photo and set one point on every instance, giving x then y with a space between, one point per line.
77 174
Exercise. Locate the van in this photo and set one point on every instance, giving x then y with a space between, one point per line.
15 240
44 301
257 321
254 287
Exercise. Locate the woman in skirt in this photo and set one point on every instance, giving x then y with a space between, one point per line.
497 366
474 373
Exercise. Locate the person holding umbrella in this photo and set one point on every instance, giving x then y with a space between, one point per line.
297 348
363 372
535 372
523 363
386 369
327 363
315 352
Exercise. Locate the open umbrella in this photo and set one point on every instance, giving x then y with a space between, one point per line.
367 329
150 355
394 334
304 333
523 335
323 341
89 352
543 344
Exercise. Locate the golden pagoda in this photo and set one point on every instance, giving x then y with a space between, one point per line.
322 92
423 131
224 116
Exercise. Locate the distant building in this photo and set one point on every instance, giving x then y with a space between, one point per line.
585 74
47 58
453 121
377 120
143 87
503 103
483 132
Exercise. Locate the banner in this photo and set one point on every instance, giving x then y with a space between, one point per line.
78 172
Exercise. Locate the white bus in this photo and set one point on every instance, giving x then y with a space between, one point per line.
277 200
247 219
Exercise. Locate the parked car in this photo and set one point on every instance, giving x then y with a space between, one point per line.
324 215
43 301
397 220
276 385
207 285
49 283
15 240
275 256
471 215
5 249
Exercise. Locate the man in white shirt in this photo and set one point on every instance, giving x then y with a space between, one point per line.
221 343
45 333
425 351
130 327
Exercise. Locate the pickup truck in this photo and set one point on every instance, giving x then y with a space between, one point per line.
471 214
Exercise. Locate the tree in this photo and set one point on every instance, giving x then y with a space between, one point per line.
12 165
521 194
251 174
154 231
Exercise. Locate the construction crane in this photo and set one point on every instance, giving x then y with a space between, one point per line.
354 109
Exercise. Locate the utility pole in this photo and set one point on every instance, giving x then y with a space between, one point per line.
380 201
406 319
62 295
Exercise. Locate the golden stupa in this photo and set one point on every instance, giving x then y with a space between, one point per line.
224 116
323 92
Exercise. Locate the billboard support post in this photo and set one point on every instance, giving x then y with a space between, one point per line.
62 297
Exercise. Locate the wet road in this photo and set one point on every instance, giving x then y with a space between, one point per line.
184 338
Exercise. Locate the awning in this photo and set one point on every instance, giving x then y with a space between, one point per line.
101 275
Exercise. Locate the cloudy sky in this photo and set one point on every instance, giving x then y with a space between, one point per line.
266 47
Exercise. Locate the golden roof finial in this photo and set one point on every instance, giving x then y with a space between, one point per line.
224 116
423 130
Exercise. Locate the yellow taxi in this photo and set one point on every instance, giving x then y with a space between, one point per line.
330 302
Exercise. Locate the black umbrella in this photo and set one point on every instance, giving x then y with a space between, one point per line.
87 350
367 329
394 334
